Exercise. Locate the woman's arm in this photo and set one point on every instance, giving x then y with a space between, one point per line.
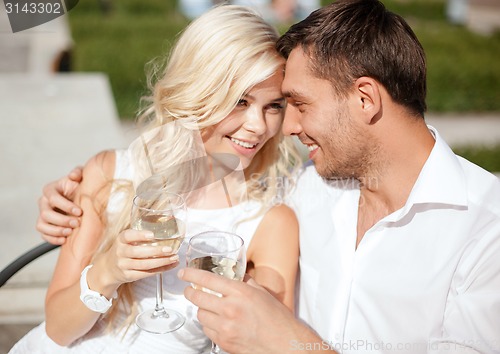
273 254
67 318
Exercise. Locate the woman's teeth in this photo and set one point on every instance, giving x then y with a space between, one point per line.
243 143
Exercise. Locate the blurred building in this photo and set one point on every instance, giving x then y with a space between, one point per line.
480 16
274 11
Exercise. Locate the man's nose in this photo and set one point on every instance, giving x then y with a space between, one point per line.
291 124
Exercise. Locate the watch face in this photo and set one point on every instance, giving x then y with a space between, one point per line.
95 303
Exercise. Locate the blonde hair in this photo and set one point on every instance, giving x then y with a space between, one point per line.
217 59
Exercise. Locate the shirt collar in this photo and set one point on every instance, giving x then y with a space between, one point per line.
441 180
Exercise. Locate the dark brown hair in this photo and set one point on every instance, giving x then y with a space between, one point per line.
349 39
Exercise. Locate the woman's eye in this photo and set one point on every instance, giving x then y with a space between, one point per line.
275 107
243 103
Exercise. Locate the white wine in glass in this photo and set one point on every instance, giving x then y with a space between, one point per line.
218 252
164 214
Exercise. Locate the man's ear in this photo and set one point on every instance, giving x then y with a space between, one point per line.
367 91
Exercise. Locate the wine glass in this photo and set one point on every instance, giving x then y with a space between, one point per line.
219 252
164 214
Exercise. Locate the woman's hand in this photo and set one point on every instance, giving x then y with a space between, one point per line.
133 256
58 214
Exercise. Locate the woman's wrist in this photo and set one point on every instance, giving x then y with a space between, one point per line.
99 279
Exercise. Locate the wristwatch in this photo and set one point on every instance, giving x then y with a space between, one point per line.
92 299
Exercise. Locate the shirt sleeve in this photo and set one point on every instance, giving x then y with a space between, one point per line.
471 320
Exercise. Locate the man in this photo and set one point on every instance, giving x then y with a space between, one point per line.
399 237
399 248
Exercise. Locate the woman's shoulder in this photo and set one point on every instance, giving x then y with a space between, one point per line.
278 219
280 212
98 172
103 157
102 164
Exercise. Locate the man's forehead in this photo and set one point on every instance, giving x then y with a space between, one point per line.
293 93
297 57
294 70
298 76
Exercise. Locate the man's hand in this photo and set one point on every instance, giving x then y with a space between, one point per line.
58 214
246 319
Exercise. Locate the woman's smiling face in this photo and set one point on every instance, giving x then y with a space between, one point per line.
256 118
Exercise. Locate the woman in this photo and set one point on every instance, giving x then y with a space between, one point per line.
223 77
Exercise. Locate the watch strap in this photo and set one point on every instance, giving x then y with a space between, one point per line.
92 299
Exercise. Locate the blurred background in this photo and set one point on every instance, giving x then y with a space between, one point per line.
461 39
119 37
71 87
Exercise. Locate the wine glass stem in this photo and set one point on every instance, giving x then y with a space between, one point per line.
215 349
159 309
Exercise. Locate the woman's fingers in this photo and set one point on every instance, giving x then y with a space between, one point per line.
153 265
138 250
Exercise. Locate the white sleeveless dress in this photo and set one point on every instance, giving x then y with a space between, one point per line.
188 339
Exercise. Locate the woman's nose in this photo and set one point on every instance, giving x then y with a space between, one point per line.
255 121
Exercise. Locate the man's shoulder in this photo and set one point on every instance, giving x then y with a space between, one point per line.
483 187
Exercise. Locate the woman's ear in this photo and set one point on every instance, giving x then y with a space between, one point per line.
367 92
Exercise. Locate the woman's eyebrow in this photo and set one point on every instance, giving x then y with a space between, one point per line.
277 99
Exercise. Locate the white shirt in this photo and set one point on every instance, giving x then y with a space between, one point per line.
425 278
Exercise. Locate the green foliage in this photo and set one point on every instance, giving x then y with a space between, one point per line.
486 157
121 42
463 67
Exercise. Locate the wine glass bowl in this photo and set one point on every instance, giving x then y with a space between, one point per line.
164 214
218 252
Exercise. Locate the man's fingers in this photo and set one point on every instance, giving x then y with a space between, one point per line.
55 240
56 195
76 174
207 302
68 184
67 188
52 230
209 321
208 280
210 333
250 281
59 202
55 217
219 316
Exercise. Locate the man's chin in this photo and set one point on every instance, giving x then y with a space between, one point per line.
324 172
330 174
